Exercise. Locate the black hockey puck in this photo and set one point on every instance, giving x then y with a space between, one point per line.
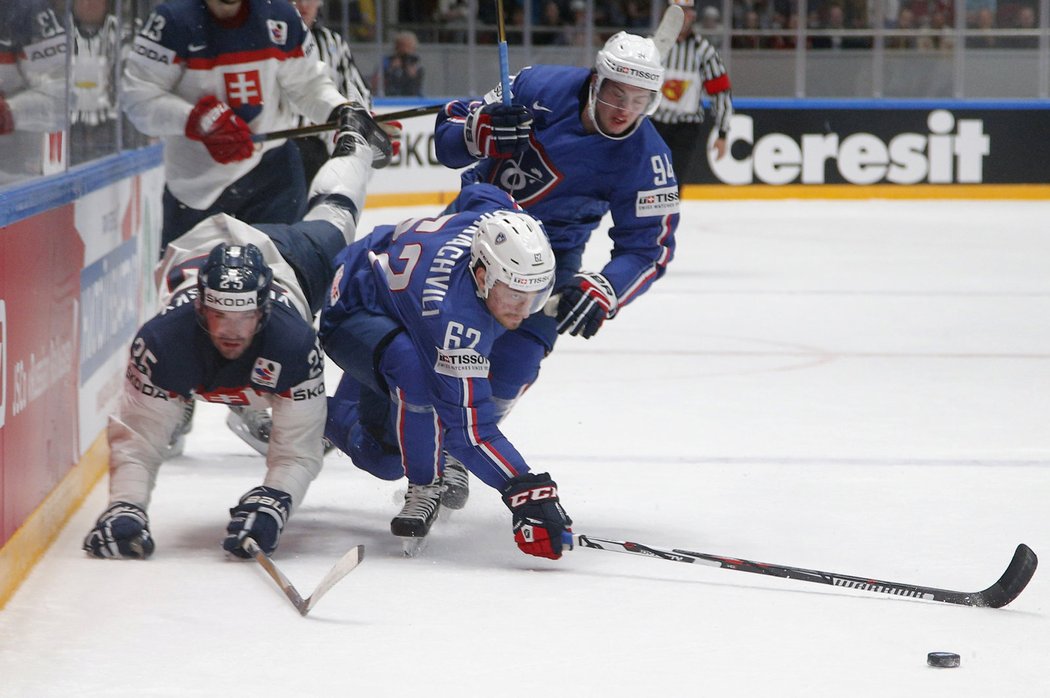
942 659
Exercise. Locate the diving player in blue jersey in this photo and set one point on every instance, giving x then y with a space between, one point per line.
235 327
573 145
413 315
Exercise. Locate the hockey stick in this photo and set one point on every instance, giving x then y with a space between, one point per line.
303 131
504 61
340 569
1013 581
667 32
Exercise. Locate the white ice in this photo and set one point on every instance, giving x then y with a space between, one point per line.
856 387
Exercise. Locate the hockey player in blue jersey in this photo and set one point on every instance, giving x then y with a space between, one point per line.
573 145
235 327
413 315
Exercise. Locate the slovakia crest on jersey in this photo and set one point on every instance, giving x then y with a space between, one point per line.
265 372
529 178
278 31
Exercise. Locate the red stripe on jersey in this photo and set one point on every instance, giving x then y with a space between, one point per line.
475 436
8 58
241 57
716 85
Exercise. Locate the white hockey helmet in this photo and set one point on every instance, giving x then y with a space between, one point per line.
514 249
631 60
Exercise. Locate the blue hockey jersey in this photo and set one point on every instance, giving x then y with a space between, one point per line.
570 179
417 273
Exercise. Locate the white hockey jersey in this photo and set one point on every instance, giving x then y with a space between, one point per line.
172 360
263 64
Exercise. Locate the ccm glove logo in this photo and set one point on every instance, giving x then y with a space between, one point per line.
536 494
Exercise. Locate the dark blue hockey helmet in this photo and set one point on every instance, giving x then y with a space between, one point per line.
235 278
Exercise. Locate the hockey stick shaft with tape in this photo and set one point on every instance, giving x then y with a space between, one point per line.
504 60
1009 586
304 131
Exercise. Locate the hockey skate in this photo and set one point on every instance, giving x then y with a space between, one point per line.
413 522
251 426
457 484
178 437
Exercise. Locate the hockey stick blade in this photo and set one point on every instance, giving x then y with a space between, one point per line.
304 131
667 31
343 567
1006 589
339 570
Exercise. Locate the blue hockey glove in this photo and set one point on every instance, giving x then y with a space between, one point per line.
121 531
539 520
261 515
497 131
585 304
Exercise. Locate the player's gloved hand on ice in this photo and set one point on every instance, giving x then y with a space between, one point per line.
225 135
497 130
7 119
121 531
261 515
585 304
353 118
539 520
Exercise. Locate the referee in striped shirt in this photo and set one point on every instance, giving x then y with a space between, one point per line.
693 69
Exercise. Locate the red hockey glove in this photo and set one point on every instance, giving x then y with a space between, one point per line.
585 304
7 119
539 520
224 134
497 131
392 129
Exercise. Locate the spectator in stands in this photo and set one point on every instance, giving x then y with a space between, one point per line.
549 32
749 41
1025 21
403 69
985 36
904 37
711 25
339 63
940 36
453 16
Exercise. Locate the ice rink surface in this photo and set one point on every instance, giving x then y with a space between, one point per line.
856 387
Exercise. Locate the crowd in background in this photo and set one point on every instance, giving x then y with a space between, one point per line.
755 24
401 58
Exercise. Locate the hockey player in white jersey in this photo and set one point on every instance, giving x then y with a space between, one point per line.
208 74
235 327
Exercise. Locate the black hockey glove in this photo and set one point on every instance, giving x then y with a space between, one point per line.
354 119
498 131
260 515
585 304
121 531
539 520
